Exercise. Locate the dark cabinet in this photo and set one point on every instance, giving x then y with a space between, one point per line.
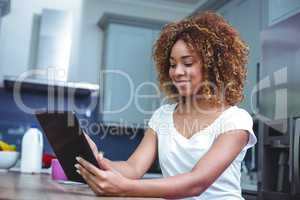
278 172
4 8
250 195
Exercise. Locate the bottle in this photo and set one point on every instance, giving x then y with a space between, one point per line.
32 150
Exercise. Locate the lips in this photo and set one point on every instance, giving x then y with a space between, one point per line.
181 83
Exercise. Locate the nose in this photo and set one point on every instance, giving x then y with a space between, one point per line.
179 70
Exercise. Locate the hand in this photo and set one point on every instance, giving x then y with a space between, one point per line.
107 182
92 145
98 155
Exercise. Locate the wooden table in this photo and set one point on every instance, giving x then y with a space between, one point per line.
17 186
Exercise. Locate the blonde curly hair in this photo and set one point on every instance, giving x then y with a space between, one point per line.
223 53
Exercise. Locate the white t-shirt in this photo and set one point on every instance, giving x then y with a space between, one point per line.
178 155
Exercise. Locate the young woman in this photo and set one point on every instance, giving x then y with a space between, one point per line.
202 136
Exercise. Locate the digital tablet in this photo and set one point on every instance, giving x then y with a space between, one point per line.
67 140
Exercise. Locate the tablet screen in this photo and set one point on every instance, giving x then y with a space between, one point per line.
67 140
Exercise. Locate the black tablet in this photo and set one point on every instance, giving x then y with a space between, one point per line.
67 140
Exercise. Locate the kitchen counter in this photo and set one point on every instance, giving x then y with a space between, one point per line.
17 186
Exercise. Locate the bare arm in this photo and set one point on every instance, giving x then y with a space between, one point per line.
224 150
139 162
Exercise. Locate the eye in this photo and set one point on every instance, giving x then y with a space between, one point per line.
188 64
172 65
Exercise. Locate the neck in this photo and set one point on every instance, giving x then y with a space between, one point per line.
200 107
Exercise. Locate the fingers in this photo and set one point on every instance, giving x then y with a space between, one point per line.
90 141
104 164
104 183
99 158
92 145
90 180
101 154
90 167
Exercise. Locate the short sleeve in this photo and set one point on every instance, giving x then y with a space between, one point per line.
240 119
155 119
159 120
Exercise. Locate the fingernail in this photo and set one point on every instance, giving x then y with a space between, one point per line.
78 158
78 171
102 153
77 166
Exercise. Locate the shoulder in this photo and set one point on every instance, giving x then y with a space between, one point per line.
164 109
239 118
237 114
236 118
162 112
161 117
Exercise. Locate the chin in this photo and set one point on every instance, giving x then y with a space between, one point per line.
184 93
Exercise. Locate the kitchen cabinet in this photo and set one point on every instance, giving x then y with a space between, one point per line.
250 196
279 10
4 8
128 76
279 127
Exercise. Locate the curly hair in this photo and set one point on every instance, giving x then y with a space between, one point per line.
224 56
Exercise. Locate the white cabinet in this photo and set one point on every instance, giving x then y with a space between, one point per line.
0 17
245 16
128 75
4 9
281 9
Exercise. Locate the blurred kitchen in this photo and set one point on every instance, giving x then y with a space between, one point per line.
94 57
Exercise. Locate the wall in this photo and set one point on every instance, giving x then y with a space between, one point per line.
19 33
246 16
91 40
18 37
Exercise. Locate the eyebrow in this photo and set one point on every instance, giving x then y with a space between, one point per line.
182 57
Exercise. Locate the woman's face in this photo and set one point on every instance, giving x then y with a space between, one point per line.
185 69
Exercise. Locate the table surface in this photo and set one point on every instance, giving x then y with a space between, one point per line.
18 186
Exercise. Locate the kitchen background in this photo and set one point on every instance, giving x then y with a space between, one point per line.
91 41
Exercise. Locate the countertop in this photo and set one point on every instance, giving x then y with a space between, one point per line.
18 186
